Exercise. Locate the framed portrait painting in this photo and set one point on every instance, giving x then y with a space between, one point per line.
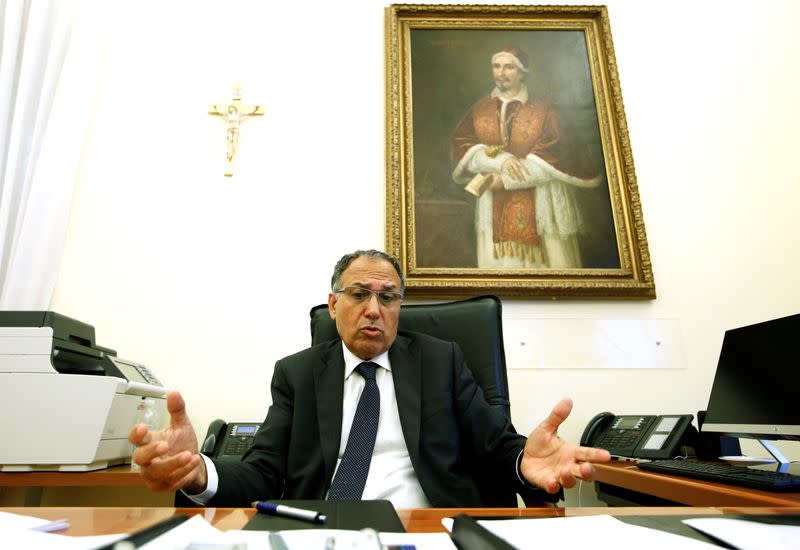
509 169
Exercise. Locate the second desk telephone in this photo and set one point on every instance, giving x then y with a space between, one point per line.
640 436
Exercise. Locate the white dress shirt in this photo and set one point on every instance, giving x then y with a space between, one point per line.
391 475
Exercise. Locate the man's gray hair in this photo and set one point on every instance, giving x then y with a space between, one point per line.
347 259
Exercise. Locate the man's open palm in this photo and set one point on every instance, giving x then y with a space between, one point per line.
550 462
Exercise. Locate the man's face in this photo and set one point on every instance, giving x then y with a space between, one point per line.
367 328
507 76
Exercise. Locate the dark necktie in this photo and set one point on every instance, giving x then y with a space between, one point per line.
348 484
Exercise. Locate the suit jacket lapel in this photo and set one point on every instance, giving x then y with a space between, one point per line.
406 374
329 389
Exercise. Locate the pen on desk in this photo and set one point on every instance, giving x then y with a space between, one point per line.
290 512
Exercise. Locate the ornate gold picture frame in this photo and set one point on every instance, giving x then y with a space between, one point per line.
509 168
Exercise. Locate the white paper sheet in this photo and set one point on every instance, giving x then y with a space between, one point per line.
317 538
15 532
21 531
18 521
195 530
748 535
23 538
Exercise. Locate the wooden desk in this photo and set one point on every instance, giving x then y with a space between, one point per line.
104 521
617 483
623 482
116 486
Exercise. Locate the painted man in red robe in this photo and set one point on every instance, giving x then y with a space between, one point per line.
527 215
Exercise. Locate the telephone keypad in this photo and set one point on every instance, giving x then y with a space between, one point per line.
620 439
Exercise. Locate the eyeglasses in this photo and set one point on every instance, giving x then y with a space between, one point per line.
360 295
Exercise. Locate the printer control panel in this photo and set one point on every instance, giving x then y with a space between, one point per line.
134 372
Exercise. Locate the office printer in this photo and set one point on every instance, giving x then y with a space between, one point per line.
66 403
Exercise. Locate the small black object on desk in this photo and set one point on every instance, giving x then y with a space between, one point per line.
147 534
341 514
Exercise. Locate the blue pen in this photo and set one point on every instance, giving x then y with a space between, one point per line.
290 512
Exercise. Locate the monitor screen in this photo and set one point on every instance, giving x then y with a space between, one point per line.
755 391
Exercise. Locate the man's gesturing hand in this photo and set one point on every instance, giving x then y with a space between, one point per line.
550 462
168 458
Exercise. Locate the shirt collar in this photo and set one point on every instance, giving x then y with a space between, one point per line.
521 95
351 361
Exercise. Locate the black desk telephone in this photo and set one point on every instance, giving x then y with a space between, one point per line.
229 441
639 436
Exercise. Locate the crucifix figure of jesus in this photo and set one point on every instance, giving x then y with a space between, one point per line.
234 113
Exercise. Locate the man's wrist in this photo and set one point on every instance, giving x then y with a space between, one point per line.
211 483
521 478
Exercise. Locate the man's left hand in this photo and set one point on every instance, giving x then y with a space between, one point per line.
550 462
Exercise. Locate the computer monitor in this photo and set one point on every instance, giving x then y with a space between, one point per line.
756 388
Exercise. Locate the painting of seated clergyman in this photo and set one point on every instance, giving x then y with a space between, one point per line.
508 169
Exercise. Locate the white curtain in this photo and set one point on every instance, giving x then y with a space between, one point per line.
46 91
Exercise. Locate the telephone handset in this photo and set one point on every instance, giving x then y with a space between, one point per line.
229 441
640 436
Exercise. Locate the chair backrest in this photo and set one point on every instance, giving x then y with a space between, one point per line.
475 324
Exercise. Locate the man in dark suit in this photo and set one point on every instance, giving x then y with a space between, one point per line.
431 426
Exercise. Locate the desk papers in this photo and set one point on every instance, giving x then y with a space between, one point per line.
15 532
596 532
748 535
17 521
318 538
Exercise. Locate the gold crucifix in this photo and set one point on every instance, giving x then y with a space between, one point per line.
234 114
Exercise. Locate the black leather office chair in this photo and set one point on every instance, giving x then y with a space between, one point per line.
475 324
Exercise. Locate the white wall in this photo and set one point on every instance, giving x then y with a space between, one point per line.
208 280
